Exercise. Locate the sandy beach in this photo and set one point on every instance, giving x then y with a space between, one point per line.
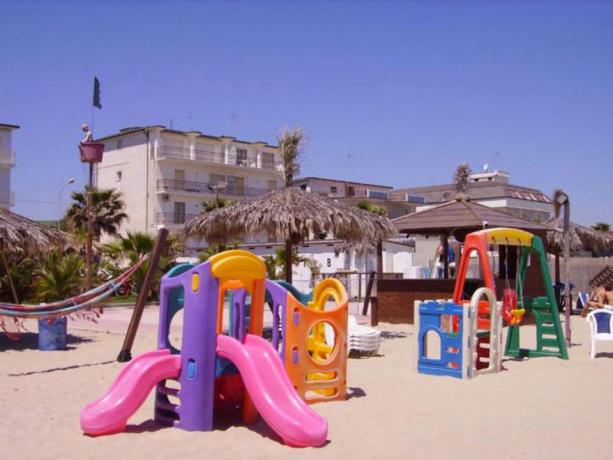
542 408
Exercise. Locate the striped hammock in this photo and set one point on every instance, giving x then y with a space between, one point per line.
86 300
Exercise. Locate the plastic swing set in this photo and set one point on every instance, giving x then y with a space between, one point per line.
470 332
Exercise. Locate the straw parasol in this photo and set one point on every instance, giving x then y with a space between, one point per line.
20 235
581 238
291 215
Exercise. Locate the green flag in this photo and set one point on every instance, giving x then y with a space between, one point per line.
97 93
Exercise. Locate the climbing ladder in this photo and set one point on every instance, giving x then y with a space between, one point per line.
549 335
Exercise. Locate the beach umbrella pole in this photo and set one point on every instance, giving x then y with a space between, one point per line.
288 261
8 274
567 270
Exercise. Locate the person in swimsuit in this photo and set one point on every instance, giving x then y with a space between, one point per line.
599 297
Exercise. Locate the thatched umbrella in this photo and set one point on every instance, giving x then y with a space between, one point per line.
291 215
581 238
20 235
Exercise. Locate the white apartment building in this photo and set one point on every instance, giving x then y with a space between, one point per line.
165 174
7 163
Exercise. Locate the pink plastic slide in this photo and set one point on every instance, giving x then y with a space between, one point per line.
261 370
110 413
272 392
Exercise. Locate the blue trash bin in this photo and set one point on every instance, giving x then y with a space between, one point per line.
52 336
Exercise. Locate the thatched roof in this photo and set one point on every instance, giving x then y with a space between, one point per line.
290 214
461 216
581 238
19 234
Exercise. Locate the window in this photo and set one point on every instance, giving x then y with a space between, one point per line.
179 213
119 176
179 179
268 160
236 185
333 190
217 178
377 194
415 199
241 157
350 190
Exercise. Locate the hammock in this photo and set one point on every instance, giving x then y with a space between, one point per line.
69 306
84 297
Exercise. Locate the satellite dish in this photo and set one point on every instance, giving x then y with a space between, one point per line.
485 167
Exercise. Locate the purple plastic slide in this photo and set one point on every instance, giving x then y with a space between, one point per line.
272 392
110 413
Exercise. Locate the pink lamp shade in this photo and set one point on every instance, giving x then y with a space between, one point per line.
91 152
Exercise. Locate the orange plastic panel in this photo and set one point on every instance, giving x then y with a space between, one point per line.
322 377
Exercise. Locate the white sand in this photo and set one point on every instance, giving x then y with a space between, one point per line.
542 408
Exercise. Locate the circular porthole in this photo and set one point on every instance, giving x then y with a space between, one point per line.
322 342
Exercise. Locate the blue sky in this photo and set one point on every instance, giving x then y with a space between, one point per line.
395 93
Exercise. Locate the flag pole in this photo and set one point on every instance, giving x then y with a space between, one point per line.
89 197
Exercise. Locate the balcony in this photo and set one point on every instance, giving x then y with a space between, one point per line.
232 190
171 219
180 153
7 159
7 199
167 152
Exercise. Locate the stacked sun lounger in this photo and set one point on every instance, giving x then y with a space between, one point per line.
363 339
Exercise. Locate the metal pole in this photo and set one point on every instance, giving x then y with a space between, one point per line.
567 270
90 229
126 349
288 261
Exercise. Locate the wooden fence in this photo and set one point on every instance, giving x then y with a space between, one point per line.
582 270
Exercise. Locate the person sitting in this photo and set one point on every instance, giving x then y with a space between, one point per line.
599 298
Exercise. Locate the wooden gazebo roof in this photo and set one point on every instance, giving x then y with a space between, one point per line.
462 216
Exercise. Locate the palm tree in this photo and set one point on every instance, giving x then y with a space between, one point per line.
108 211
460 178
20 277
275 263
290 145
136 245
601 226
215 203
59 277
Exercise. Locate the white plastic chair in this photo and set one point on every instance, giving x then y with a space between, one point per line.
601 327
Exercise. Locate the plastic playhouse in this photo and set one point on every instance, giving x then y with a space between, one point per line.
469 333
240 371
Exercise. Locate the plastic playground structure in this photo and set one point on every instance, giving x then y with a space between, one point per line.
470 332
240 371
